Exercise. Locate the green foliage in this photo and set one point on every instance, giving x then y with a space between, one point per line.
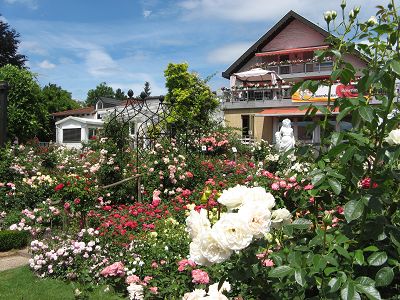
190 97
146 91
101 90
58 99
9 41
27 113
120 95
12 239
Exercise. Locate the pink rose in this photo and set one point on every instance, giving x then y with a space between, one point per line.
67 205
275 186
154 290
132 279
77 201
268 263
200 277
116 269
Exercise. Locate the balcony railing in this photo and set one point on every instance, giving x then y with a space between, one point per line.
256 94
310 67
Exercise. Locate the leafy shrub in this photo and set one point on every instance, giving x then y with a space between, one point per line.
10 239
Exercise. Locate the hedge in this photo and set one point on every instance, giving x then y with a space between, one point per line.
13 239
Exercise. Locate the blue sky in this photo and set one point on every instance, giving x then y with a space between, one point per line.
79 43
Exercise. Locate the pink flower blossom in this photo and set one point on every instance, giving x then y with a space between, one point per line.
308 187
275 186
132 279
200 277
154 290
154 265
116 269
268 263
67 205
184 263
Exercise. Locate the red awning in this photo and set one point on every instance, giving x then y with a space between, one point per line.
286 112
293 50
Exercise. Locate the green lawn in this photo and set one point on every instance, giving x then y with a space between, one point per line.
21 283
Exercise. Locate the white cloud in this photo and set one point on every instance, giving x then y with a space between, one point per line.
99 63
262 10
32 47
147 13
30 3
228 54
46 65
3 19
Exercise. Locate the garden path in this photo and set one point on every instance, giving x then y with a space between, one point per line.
13 259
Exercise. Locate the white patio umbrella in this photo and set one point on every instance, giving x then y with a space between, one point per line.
257 74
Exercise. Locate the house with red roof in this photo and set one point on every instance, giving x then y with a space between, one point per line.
259 96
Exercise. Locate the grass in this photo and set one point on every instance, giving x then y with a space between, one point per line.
22 284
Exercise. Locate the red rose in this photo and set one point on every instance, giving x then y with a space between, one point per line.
77 201
59 187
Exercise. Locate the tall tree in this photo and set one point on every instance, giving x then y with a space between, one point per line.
120 94
58 99
146 90
27 113
9 41
102 90
191 97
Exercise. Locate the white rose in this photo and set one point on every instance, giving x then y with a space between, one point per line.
197 222
135 291
195 295
257 218
231 232
206 250
212 289
280 217
258 195
196 255
393 137
233 197
215 296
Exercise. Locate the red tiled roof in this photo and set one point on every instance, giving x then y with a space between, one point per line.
71 112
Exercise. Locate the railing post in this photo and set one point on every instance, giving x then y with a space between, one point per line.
3 112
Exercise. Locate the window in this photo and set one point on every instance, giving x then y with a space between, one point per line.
72 135
92 133
245 125
304 131
132 128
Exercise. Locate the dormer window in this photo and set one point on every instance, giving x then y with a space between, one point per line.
99 105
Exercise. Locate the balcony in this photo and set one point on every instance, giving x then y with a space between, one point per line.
256 94
302 69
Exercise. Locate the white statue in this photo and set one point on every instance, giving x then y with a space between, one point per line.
284 137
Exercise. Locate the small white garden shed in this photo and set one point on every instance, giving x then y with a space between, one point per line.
72 131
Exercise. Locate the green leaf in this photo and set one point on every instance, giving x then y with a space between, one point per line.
384 276
296 87
366 113
335 185
301 223
334 284
300 277
377 258
317 179
371 249
365 280
395 64
348 154
348 292
359 257
353 210
343 252
370 291
280 272
343 113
